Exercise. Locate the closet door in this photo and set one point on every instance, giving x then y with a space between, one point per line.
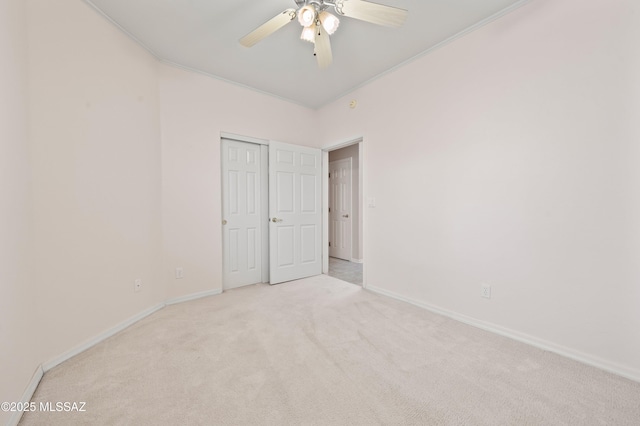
241 204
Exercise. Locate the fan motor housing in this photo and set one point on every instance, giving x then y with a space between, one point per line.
319 4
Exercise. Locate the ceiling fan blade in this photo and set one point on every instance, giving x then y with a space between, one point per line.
323 47
268 28
375 13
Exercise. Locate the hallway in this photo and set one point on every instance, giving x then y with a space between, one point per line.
345 270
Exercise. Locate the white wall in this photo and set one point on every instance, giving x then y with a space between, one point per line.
510 157
17 360
195 109
95 143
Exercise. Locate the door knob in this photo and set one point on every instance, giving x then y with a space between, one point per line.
274 220
345 215
224 221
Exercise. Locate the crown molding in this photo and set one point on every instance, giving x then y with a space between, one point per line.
440 45
234 83
443 43
124 30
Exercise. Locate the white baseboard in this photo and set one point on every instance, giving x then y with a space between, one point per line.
193 296
46 366
620 370
26 396
356 260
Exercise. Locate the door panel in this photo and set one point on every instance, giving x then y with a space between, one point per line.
241 197
308 243
285 188
340 216
309 195
252 248
294 211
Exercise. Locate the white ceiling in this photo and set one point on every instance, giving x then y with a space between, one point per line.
203 35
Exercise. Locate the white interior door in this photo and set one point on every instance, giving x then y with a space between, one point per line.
340 215
241 224
295 212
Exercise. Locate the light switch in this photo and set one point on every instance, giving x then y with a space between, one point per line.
372 202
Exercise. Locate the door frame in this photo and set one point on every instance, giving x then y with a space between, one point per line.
325 201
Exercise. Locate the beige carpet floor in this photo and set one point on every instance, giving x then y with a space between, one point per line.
323 352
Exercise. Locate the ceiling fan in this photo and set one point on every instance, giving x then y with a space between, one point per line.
318 24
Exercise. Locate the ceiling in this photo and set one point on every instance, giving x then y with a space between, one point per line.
203 35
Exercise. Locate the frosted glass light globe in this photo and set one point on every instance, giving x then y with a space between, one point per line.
307 16
329 22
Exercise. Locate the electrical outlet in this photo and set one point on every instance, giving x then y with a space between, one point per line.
137 285
179 273
486 291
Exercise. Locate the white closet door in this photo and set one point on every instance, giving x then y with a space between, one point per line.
241 225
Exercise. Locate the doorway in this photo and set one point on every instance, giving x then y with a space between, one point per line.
340 208
345 249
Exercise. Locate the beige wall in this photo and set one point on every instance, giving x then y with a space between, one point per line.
95 140
17 360
510 157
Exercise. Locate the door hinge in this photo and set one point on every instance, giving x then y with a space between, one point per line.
329 209
329 175
329 243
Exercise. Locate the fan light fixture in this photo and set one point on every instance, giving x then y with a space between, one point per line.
307 15
318 24
329 22
308 34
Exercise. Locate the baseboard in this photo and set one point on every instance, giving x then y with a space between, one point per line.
27 395
193 296
356 260
579 356
46 366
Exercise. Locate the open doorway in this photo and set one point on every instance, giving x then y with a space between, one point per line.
345 214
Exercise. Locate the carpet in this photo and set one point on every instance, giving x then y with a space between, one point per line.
320 351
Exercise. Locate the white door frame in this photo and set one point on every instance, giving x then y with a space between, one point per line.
325 201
